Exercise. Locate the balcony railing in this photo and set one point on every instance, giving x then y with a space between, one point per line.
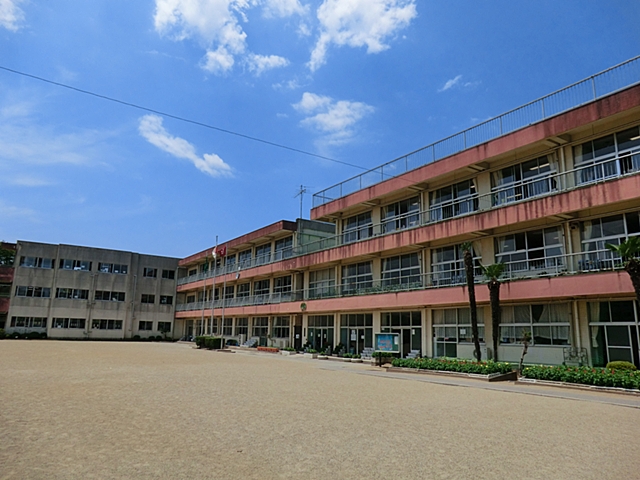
552 266
612 168
593 88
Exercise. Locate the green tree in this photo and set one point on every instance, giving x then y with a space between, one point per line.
493 273
7 257
629 250
467 248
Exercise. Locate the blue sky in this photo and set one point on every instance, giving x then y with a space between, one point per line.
359 81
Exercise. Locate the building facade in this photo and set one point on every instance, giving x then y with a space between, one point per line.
7 256
544 197
78 292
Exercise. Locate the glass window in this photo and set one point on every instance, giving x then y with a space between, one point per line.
168 274
260 326
357 227
454 200
263 254
356 277
447 265
150 272
524 180
532 250
599 232
244 290
401 215
322 283
242 326
548 324
281 327
401 270
282 284
261 287
283 248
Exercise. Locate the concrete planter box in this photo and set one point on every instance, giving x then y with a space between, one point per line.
322 357
310 355
286 353
356 360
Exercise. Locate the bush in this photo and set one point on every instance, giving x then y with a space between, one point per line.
602 377
621 365
200 341
454 365
136 338
384 355
213 343
3 334
43 335
311 350
33 336
17 335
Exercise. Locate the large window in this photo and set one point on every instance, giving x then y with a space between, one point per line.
356 277
242 326
113 268
447 265
614 328
282 284
524 180
597 233
356 331
164 327
408 325
608 156
150 272
401 215
36 262
263 254
29 322
148 298
260 327
244 290
84 265
39 292
261 287
454 200
145 326
320 331
401 270
283 248
357 227
322 283
534 250
549 324
72 293
111 296
281 327
168 274
166 299
77 323
227 327
452 326
105 324
244 259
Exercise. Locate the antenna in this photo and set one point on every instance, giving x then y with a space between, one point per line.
301 192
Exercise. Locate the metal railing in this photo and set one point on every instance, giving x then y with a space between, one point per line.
553 183
552 266
593 88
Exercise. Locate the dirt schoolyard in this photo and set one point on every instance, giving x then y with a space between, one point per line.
151 410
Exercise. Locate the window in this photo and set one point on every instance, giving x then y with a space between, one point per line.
5 290
452 326
453 200
110 296
401 215
83 265
68 323
244 259
282 284
228 292
29 322
263 254
261 287
227 327
191 298
260 326
322 283
548 324
230 261
36 262
169 274
192 272
356 277
142 325
613 330
533 250
524 180
600 231
113 268
39 292
401 270
357 227
283 248
150 272
608 156
281 327
148 298
166 300
408 325
356 331
244 290
72 293
164 327
447 265
242 326
320 331
104 324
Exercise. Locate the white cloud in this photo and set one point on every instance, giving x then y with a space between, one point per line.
457 82
260 63
283 8
7 210
11 16
218 61
151 129
29 181
335 120
359 23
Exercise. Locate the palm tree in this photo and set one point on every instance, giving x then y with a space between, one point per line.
467 247
629 250
493 273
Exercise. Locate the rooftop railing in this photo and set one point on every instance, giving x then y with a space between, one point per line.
593 88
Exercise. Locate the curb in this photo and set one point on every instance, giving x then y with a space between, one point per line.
577 386
494 377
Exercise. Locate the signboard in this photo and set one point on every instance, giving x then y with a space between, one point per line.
387 342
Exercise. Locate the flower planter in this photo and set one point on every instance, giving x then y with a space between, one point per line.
310 355
356 360
268 349
287 353
322 357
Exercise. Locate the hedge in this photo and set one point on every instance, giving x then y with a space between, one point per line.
211 343
453 365
602 377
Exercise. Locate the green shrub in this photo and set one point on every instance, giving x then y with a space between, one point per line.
213 343
200 341
311 350
17 335
43 335
3 334
454 365
289 349
136 338
621 365
33 335
601 377
384 355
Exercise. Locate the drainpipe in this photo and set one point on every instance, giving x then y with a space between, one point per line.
133 304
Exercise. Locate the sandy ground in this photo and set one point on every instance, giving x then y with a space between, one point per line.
141 410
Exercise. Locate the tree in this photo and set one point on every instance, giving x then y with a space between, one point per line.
7 257
493 273
467 247
629 250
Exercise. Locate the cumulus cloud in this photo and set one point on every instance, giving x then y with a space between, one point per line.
11 16
334 120
457 82
216 25
151 129
359 23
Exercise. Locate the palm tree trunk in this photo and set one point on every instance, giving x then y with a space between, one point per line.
471 286
494 300
633 269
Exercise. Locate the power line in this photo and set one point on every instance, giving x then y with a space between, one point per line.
182 119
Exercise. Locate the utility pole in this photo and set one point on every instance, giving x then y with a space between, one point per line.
301 192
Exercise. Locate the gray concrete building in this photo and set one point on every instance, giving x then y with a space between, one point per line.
79 292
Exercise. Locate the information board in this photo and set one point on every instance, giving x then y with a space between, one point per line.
387 342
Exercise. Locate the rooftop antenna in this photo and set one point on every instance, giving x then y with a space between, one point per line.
301 192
